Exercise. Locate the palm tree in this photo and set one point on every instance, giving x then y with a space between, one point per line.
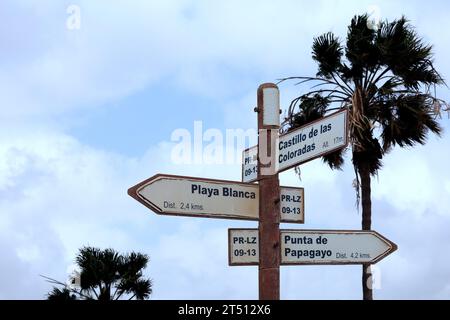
387 82
106 275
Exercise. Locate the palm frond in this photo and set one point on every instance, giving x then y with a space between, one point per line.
327 52
335 160
361 51
408 120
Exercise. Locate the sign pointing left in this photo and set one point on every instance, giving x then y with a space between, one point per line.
189 196
199 197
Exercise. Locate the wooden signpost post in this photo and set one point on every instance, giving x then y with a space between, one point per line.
268 109
267 202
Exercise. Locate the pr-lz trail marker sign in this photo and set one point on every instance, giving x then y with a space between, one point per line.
208 198
304 144
312 247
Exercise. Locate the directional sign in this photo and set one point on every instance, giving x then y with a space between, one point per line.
198 197
333 247
250 164
304 144
313 247
313 140
243 247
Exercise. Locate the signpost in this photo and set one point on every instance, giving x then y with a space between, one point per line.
199 197
312 247
267 202
304 144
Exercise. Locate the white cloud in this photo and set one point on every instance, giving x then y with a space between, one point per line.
198 46
414 180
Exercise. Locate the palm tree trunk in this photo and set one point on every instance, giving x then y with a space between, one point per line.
366 203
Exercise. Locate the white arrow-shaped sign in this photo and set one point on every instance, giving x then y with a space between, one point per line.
199 197
313 140
304 247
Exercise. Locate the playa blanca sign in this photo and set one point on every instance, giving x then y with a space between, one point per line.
208 198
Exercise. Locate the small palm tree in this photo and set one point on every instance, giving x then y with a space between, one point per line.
385 78
106 275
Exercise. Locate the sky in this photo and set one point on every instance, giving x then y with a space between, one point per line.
89 107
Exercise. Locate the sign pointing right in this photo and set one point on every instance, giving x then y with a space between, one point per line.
333 247
301 145
312 247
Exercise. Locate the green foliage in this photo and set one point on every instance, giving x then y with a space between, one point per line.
327 52
63 294
107 275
